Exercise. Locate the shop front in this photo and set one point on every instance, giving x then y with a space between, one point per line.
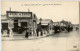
19 22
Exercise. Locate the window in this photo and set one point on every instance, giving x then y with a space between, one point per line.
9 13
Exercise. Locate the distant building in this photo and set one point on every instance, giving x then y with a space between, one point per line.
4 22
66 23
56 23
76 26
46 24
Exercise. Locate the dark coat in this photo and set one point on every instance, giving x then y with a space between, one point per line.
27 34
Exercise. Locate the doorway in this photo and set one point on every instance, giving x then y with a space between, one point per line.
15 26
24 26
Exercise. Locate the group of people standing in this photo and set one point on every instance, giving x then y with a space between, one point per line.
38 32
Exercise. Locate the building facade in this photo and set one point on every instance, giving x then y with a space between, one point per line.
20 21
46 25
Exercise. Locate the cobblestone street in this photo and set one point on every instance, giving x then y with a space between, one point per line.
63 41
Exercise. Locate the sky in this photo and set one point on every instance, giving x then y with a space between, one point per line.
55 10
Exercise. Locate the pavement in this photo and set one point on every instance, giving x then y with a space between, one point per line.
17 36
64 41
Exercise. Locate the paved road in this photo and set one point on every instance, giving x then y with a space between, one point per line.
57 42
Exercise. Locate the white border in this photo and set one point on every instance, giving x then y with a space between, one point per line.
36 0
40 0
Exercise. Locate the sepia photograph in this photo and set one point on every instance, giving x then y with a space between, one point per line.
39 26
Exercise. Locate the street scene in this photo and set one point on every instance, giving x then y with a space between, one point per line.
55 42
48 26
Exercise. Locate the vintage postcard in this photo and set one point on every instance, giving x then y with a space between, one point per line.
39 25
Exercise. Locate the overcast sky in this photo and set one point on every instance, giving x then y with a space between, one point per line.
57 11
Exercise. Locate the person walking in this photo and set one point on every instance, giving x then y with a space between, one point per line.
27 33
37 31
10 32
41 33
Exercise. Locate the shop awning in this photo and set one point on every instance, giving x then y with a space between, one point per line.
44 24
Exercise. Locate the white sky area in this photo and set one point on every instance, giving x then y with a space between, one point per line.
64 10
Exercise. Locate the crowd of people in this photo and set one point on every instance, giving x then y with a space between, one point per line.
40 31
56 29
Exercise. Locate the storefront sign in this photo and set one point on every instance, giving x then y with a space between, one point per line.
19 14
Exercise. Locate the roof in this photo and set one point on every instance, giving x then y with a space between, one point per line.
3 17
55 23
4 21
18 12
44 21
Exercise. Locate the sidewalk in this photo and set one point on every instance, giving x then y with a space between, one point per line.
17 36
20 37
